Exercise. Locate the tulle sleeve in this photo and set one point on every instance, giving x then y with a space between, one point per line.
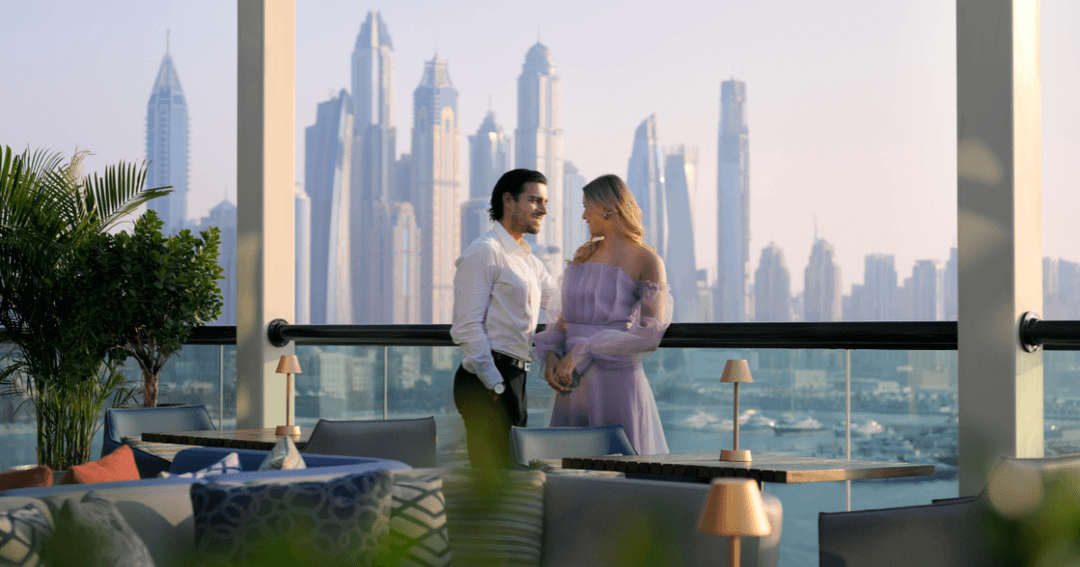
553 338
649 319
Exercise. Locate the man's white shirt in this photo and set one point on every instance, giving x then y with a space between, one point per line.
499 289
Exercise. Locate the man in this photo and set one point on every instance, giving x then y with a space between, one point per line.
499 289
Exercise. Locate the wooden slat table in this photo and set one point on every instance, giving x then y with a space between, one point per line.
764 467
261 439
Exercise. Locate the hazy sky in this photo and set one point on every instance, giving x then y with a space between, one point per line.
852 105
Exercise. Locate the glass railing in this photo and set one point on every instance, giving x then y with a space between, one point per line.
903 400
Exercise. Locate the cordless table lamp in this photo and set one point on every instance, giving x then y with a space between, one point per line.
734 508
736 371
288 365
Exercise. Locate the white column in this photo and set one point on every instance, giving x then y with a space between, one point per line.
1000 232
265 124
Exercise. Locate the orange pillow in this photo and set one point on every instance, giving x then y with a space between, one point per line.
118 465
36 477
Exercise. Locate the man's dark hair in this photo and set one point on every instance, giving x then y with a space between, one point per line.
512 182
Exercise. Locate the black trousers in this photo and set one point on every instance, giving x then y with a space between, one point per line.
487 421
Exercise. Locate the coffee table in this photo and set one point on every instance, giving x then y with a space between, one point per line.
764 467
260 439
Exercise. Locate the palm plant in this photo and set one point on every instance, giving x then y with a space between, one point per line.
65 362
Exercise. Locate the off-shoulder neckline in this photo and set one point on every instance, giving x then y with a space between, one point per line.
620 271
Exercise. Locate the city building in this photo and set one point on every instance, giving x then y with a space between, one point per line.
821 284
575 231
395 249
374 152
223 216
645 177
879 303
951 300
538 145
327 170
302 255
680 181
927 292
489 158
436 180
772 286
167 146
733 200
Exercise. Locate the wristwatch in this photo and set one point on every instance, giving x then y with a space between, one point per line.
498 388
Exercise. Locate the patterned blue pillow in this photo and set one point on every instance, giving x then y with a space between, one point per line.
229 465
23 533
343 521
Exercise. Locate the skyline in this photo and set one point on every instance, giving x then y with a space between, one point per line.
827 120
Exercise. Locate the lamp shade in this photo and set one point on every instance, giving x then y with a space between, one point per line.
736 371
288 364
734 508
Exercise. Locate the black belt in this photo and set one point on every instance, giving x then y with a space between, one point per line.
501 358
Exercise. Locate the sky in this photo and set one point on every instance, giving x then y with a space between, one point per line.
851 104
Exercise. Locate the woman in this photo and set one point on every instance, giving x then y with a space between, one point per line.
615 308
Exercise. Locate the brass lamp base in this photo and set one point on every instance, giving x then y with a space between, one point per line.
291 430
740 456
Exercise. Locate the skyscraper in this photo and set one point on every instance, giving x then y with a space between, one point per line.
395 247
821 285
951 283
489 158
645 177
223 216
302 255
167 146
327 171
538 145
733 219
927 293
436 179
680 178
880 288
772 286
575 231
374 149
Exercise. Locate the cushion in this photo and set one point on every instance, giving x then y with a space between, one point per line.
34 477
163 450
418 533
343 521
23 533
103 536
118 465
495 517
283 457
229 465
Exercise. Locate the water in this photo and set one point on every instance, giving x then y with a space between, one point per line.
801 502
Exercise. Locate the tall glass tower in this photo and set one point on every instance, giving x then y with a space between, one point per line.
167 146
821 284
489 158
645 177
538 144
374 150
772 286
436 180
733 222
680 179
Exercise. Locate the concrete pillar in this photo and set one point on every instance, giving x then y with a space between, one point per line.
265 124
1000 232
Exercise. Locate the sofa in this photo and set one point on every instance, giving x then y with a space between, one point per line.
587 520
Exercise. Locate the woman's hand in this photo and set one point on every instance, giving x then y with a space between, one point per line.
551 365
564 372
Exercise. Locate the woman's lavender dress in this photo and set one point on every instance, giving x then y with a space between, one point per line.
613 323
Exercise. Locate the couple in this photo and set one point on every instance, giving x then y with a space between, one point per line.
615 309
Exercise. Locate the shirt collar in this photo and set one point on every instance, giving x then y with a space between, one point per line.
509 243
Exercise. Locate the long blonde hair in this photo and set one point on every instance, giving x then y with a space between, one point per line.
611 194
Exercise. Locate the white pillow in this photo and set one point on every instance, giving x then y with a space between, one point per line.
283 457
230 464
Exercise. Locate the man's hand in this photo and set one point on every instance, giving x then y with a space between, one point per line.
550 367
564 372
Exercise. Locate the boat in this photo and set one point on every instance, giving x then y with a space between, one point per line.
804 427
750 420
867 429
700 420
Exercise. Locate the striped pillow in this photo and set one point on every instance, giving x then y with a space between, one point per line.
418 533
495 517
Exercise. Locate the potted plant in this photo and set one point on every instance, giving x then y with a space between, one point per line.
164 287
66 360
